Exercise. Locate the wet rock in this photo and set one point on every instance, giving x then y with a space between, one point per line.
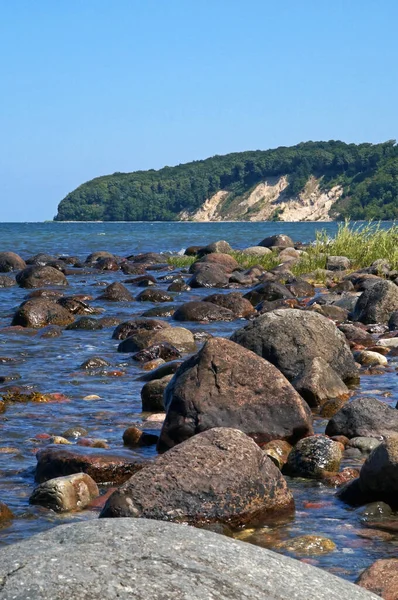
92 442
225 385
220 475
40 312
339 479
375 511
143 280
364 444
166 369
35 276
154 295
152 394
96 256
179 337
381 578
75 432
376 304
268 291
178 285
9 261
161 310
116 292
364 417
128 328
133 437
319 382
5 513
58 439
51 331
307 545
313 457
86 324
202 311
290 339
102 465
278 451
210 276
130 268
338 263
94 362
64 494
7 282
379 473
277 241
107 263
233 301
164 350
76 306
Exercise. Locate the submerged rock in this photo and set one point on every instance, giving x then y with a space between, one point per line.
220 475
307 545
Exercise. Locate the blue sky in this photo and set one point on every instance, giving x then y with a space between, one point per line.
90 87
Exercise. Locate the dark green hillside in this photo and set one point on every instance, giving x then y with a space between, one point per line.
368 173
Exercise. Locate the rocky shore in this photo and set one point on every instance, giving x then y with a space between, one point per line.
231 425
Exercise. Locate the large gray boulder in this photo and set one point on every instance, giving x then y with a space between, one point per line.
225 385
218 476
377 303
137 559
291 339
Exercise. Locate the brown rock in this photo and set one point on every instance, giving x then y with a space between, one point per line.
220 475
9 261
116 292
381 578
35 276
64 494
241 307
102 465
40 312
225 385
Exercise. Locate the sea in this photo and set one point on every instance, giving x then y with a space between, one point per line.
106 403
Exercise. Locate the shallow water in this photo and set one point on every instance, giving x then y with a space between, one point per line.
52 365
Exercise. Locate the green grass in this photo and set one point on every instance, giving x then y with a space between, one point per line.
362 244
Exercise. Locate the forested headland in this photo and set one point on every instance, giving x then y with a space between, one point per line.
366 173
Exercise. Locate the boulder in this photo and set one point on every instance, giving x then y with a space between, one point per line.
337 263
152 394
107 263
290 339
319 382
209 276
376 304
202 311
225 261
300 288
96 256
225 385
364 417
179 337
40 312
356 335
9 261
218 247
220 475
256 251
278 241
128 328
7 282
241 307
64 494
141 558
379 473
85 324
314 457
278 451
116 292
268 292
393 321
154 295
102 465
163 350
368 358
381 578
36 276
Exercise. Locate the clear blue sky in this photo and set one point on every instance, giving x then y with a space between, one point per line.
90 87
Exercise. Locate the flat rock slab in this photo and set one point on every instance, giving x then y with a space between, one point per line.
140 559
104 466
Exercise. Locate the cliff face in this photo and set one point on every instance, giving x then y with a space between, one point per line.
269 200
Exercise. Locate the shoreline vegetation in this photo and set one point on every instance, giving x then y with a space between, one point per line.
361 244
348 180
